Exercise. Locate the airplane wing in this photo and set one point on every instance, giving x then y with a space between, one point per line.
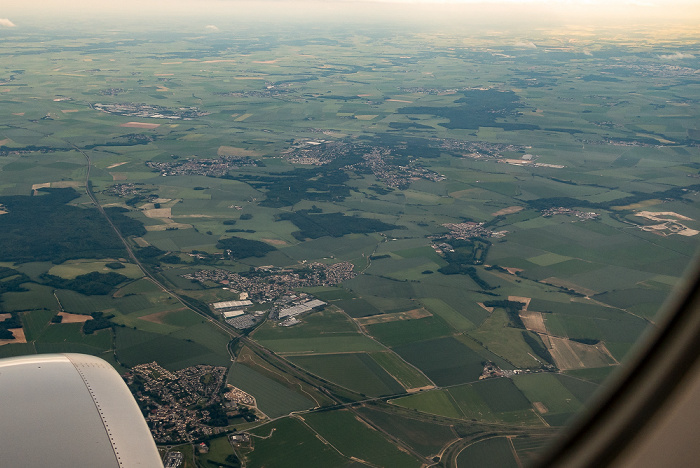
70 410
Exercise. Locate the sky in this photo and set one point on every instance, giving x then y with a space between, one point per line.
13 11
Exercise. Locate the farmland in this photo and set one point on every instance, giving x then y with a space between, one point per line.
354 439
357 371
491 222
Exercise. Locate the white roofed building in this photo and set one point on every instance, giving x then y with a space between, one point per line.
225 306
299 309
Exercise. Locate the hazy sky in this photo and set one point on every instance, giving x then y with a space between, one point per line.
566 10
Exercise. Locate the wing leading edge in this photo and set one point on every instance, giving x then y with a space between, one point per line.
70 410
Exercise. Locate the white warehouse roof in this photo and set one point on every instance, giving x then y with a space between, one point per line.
233 313
227 304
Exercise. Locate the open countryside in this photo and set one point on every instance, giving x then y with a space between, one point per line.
429 248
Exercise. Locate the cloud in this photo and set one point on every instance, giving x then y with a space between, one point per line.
4 22
676 56
211 27
526 44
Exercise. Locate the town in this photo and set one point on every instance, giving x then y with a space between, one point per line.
268 283
180 406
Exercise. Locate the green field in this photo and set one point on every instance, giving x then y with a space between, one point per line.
357 307
408 331
425 437
445 361
405 374
342 343
505 341
170 351
73 268
272 398
456 320
493 400
290 443
356 371
36 297
546 389
496 452
433 402
35 322
354 439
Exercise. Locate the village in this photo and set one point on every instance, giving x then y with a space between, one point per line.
396 175
582 215
209 167
470 229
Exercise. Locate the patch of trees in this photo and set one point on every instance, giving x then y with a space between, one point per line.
379 257
197 305
135 200
470 271
126 225
238 247
409 125
246 216
379 189
99 321
12 280
478 108
229 222
90 284
247 414
45 228
586 341
636 197
57 318
149 254
326 183
494 221
538 347
171 259
512 309
132 139
217 416
467 252
313 226
114 265
6 150
11 322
